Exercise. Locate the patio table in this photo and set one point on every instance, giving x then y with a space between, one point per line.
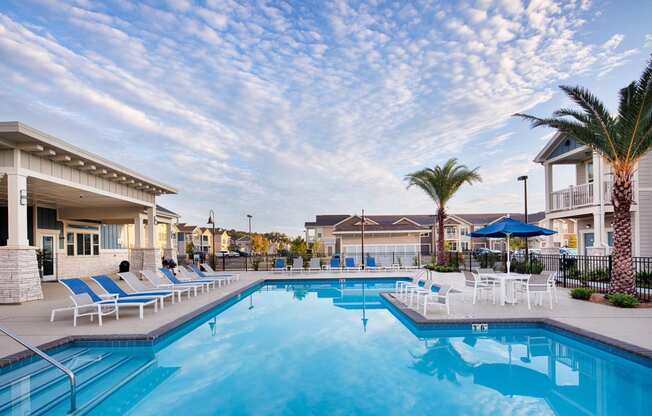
507 289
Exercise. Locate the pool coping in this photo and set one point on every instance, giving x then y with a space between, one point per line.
413 316
420 321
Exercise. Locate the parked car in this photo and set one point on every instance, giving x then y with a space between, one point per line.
482 251
567 251
532 251
227 254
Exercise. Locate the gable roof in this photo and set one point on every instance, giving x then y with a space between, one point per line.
166 212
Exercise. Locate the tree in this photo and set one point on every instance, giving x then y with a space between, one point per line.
441 183
622 139
316 248
298 246
259 244
190 248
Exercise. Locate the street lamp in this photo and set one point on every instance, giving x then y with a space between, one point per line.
249 217
362 240
524 180
211 220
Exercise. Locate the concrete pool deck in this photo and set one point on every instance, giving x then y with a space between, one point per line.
32 320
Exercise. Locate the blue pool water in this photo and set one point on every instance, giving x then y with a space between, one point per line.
334 348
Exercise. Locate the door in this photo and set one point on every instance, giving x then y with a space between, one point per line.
47 257
589 240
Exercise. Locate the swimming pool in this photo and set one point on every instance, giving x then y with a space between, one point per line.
336 348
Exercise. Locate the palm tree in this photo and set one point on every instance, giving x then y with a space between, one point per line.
622 139
441 183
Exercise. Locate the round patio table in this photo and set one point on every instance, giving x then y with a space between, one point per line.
507 287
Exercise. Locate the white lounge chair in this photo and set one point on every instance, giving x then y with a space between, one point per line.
297 265
314 265
205 284
112 288
193 274
230 276
137 285
154 278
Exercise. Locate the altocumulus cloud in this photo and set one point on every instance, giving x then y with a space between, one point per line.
286 109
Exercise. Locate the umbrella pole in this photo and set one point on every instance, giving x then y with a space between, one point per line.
508 256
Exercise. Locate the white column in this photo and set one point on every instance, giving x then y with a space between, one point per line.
168 235
151 227
547 170
138 231
17 211
549 238
598 229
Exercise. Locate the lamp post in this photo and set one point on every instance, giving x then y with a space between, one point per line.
249 217
211 220
524 180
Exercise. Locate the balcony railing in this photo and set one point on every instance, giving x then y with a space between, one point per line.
579 196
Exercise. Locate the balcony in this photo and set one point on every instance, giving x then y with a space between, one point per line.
583 195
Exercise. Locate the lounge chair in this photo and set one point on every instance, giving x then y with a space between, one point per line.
83 302
137 285
191 275
370 264
279 265
314 265
79 287
539 285
154 278
112 288
349 264
333 264
440 298
297 265
209 270
205 284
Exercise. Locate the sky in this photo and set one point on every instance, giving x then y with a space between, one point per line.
287 109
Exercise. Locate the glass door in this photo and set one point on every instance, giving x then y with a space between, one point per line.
47 256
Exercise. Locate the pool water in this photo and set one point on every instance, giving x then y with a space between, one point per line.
337 348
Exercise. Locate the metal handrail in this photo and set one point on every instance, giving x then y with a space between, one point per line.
55 363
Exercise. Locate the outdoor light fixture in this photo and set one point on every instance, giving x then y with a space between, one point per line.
23 197
211 220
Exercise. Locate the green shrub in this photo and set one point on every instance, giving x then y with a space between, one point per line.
583 293
599 275
535 266
623 300
441 269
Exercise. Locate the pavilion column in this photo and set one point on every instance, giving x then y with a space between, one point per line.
145 255
19 274
169 251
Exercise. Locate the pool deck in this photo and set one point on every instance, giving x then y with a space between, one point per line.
626 328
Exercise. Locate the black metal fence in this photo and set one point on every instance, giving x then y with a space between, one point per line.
573 271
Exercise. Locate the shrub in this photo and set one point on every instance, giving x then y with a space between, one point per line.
583 293
535 266
441 269
623 300
599 275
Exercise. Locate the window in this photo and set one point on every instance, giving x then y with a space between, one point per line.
589 172
87 244
96 243
111 236
70 244
465 246
610 238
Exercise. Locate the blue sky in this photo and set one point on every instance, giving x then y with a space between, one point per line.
286 109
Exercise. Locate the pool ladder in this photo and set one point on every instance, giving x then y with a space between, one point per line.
53 362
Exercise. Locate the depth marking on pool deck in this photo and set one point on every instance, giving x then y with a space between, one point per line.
610 344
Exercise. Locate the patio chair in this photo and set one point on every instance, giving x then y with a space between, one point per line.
77 286
552 280
440 298
410 290
195 274
112 288
314 265
401 285
370 264
83 302
349 264
333 264
230 276
154 278
297 265
479 285
279 265
205 284
537 286
137 285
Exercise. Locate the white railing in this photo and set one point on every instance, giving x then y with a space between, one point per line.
582 195
572 197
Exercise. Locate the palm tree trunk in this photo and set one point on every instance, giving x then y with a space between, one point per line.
441 217
622 274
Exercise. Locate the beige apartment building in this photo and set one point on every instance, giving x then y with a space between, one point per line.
587 202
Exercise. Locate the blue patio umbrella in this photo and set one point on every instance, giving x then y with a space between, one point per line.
508 227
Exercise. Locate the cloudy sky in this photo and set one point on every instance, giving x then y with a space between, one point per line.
284 109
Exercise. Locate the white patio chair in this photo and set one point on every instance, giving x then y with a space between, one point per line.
297 265
440 298
479 285
538 285
314 265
